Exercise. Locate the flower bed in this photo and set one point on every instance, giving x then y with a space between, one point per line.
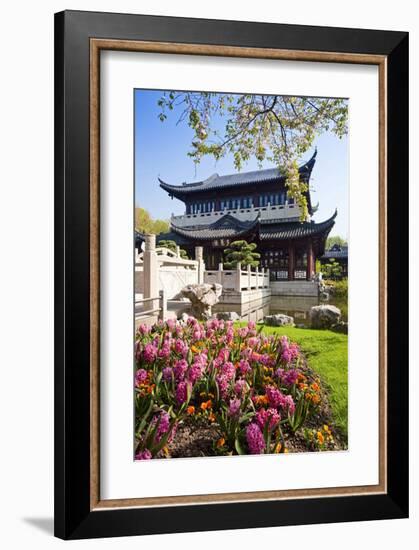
253 391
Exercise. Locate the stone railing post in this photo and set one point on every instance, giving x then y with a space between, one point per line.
257 277
162 305
238 276
268 278
220 274
249 277
199 257
151 272
263 278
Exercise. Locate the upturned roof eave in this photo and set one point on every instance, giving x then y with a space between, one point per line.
200 187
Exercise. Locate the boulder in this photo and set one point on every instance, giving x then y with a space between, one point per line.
228 316
324 316
202 297
279 320
341 327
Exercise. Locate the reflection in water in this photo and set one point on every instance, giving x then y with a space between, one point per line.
299 307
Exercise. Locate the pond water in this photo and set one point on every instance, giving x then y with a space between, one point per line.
299 307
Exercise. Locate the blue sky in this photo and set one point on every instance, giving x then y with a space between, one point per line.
161 151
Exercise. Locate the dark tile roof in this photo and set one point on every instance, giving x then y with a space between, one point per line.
228 226
337 252
225 227
172 236
296 230
232 180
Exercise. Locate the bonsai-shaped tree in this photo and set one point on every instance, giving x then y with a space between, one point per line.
171 245
332 270
243 252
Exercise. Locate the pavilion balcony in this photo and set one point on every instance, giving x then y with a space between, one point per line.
267 213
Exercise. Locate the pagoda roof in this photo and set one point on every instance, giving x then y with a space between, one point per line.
235 180
228 226
296 230
337 252
225 227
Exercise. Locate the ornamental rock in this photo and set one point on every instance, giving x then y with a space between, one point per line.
202 297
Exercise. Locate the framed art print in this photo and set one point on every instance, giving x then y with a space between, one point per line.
231 275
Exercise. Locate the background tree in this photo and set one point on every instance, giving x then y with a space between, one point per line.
332 270
336 239
276 128
145 224
171 245
243 252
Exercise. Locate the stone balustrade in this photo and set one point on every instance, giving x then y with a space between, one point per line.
238 279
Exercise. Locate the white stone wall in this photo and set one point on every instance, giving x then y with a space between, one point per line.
294 288
172 279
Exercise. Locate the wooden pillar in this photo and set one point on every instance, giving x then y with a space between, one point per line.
291 262
310 261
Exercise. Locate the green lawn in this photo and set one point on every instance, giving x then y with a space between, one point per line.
327 354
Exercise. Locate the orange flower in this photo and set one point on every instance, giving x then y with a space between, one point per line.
278 448
194 349
315 398
206 405
261 400
211 417
320 438
190 409
315 386
220 442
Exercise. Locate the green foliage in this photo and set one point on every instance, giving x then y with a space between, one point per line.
145 224
332 270
327 355
336 239
171 245
243 252
340 288
279 129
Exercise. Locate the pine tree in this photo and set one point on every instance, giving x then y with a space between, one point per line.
243 252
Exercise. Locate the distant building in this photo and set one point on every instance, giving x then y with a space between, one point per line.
339 254
253 206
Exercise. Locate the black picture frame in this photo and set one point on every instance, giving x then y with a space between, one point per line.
74 517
